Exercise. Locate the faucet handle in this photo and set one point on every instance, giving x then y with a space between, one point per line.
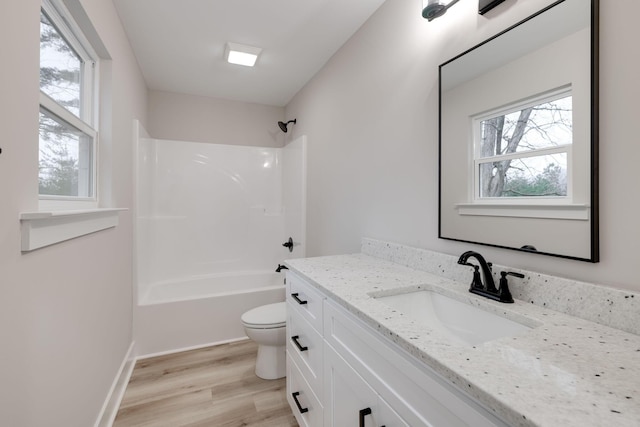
511 273
503 289
476 283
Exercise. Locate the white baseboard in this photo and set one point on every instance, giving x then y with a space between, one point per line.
116 393
195 347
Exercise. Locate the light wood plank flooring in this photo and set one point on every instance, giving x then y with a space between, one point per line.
213 386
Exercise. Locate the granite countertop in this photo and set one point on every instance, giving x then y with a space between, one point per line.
564 372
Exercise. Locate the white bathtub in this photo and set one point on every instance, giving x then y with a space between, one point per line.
219 285
201 311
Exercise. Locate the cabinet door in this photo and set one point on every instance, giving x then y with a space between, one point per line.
389 417
420 396
349 400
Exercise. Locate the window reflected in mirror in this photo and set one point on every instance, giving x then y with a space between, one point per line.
523 151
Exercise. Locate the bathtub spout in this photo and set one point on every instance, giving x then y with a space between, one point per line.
281 267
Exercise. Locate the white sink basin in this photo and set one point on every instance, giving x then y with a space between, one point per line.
459 321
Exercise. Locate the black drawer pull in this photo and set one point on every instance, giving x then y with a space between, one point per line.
295 399
297 343
298 300
363 413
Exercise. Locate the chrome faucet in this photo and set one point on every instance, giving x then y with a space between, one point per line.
485 286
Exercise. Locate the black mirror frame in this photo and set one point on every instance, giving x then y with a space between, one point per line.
594 152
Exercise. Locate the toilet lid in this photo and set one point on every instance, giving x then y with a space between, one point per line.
266 316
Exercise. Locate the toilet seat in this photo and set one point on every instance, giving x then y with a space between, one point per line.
268 316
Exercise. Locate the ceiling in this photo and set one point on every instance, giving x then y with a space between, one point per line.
180 43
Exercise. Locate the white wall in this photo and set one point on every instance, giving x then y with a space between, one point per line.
371 116
65 310
294 195
203 119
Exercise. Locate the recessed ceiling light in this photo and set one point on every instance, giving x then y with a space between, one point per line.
241 54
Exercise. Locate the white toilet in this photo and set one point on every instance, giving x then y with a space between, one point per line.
266 325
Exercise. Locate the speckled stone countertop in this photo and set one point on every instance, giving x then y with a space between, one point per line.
564 372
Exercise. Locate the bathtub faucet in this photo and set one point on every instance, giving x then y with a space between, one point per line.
281 267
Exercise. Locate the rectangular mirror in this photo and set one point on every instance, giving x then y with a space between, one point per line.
519 136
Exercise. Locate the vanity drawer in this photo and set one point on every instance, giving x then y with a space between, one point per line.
305 299
305 346
304 403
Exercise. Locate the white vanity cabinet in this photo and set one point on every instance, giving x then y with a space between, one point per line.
343 373
305 346
413 391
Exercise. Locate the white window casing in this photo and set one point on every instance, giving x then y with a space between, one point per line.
64 217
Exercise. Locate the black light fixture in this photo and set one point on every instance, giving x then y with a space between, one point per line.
283 125
431 9
485 6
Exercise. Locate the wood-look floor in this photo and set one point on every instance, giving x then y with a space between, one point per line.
213 386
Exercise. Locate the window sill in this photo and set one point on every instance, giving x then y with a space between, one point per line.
559 211
45 228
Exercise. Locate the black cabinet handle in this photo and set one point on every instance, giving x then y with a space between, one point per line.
363 413
298 300
297 343
295 399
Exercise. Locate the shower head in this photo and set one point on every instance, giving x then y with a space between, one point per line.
283 125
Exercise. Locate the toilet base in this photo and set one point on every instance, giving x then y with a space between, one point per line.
271 362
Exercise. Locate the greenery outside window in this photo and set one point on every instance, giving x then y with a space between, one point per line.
522 153
68 110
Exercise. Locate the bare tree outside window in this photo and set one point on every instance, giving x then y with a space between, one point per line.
524 153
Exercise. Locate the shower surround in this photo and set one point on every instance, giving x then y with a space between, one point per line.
211 220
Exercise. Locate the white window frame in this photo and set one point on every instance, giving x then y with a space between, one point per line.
87 122
61 218
479 160
558 207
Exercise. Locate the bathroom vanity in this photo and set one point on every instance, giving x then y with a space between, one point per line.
341 372
357 356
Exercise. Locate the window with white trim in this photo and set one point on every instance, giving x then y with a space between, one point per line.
68 109
523 152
